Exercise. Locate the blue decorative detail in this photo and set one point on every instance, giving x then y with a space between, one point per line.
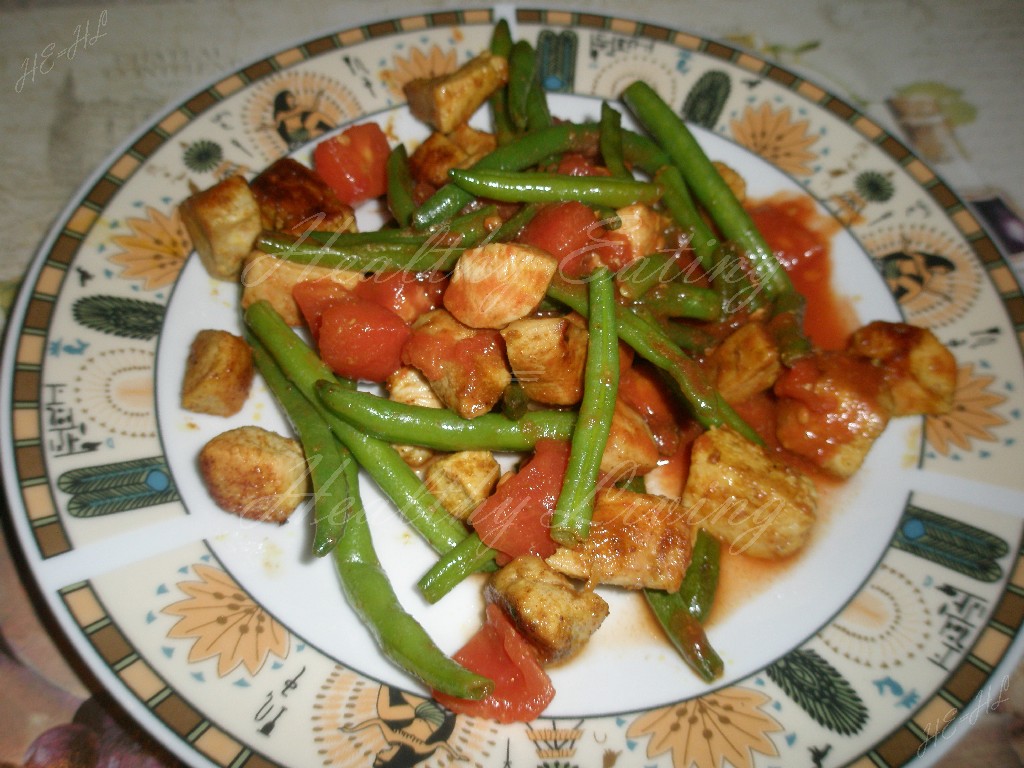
150 617
951 543
167 651
198 676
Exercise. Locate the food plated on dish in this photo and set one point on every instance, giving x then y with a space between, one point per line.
233 641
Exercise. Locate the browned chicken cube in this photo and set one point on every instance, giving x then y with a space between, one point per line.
547 355
746 362
498 283
461 480
745 497
447 101
557 618
407 385
218 374
643 228
431 160
832 406
637 540
293 198
465 366
631 450
268 278
919 370
255 473
223 222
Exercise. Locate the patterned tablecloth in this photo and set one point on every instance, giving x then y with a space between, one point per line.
79 77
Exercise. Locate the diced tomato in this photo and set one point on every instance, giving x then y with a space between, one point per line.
515 519
407 294
642 388
354 163
569 232
576 164
314 297
362 340
522 689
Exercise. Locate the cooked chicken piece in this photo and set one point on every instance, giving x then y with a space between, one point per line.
270 278
631 450
431 160
547 355
498 283
832 406
919 371
746 362
407 385
447 101
255 473
223 222
218 374
465 366
636 540
643 228
743 496
462 480
736 183
546 607
293 198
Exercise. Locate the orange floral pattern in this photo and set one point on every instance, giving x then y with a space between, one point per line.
226 623
156 250
418 64
776 137
723 728
972 415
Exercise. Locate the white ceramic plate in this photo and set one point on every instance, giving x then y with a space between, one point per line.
235 648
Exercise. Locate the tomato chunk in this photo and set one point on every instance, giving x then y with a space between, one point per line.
571 233
515 519
354 163
522 689
314 297
407 294
362 340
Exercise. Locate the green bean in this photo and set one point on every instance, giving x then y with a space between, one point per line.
525 152
670 131
501 45
542 187
399 636
527 105
394 477
652 344
637 277
469 229
514 225
413 257
363 581
440 428
682 613
686 634
324 455
611 141
400 186
683 300
570 522
451 569
688 337
720 261
386 236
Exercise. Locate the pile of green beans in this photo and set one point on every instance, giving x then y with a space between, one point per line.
651 305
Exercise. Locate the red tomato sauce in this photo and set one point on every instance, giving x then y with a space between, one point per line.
800 237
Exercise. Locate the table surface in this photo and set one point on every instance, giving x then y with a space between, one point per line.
59 122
